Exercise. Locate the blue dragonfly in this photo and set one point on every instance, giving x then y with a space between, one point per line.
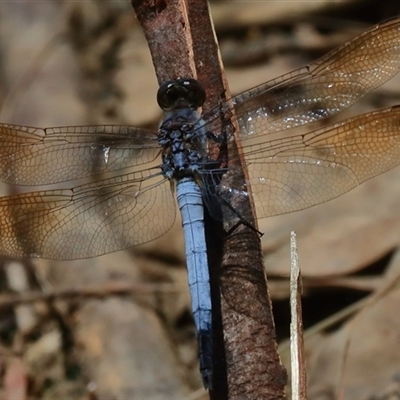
112 187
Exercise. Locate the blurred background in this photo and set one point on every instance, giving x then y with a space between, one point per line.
120 326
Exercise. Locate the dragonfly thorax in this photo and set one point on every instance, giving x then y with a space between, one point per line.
183 140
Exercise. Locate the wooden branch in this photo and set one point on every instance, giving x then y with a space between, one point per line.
91 291
297 356
166 27
246 362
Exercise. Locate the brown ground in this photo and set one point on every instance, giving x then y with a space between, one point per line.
119 326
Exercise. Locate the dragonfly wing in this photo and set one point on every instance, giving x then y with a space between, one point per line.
88 220
297 172
325 87
35 156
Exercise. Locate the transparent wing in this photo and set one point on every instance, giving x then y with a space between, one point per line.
35 156
325 87
88 220
290 172
297 172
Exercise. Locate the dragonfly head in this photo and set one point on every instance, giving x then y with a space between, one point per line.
181 93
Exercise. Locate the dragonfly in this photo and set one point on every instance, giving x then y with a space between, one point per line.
108 188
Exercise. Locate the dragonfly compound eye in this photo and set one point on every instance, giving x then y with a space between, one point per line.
181 93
